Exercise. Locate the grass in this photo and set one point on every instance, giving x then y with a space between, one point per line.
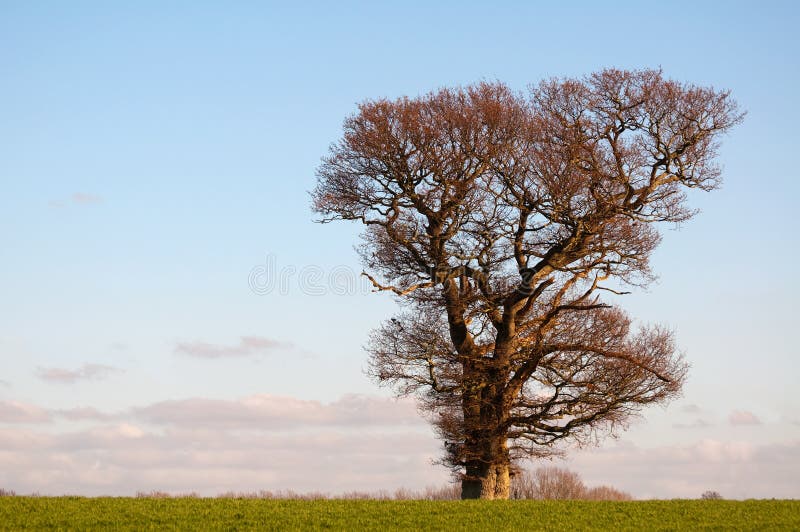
118 513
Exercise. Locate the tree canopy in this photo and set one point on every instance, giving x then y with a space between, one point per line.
507 224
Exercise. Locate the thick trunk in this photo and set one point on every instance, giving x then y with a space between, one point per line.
486 482
487 477
485 453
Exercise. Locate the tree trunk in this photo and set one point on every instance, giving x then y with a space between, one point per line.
486 482
488 477
485 451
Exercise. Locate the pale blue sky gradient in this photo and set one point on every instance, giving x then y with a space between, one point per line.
153 153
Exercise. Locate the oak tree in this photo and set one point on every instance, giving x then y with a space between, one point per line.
507 224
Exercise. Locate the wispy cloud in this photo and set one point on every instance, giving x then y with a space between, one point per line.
69 376
76 198
5 384
696 424
246 346
743 417
16 412
84 198
691 408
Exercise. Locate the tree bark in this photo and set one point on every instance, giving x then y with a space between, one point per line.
487 477
485 448
486 482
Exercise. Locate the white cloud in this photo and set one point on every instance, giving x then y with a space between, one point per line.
210 446
16 412
123 459
354 443
742 417
736 469
69 376
247 346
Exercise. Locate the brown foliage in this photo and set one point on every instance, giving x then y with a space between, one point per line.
499 219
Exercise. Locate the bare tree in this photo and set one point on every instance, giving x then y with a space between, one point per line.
548 483
606 493
498 219
555 483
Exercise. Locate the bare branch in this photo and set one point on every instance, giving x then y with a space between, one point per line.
400 292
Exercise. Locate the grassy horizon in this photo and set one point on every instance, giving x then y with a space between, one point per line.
192 513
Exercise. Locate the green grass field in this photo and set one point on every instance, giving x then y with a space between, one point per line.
79 513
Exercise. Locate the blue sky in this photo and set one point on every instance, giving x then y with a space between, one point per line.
152 154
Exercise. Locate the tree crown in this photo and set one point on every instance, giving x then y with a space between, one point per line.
499 218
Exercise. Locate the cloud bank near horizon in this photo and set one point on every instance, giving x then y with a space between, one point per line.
364 443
